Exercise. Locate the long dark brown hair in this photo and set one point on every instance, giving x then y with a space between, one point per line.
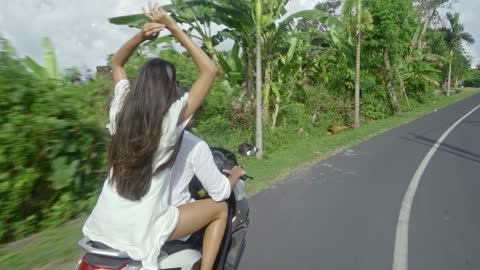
139 129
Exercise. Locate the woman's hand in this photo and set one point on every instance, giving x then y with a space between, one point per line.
157 14
236 171
151 30
235 174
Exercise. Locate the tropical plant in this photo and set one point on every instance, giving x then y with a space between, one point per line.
50 70
454 35
278 43
51 152
347 11
428 10
394 24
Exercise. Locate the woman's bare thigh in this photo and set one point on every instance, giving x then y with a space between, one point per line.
197 215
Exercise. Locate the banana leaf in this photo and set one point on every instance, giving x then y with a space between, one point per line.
51 65
36 68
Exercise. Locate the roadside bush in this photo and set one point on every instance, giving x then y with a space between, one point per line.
375 106
52 148
473 79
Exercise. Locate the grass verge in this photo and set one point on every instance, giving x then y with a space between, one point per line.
302 152
57 249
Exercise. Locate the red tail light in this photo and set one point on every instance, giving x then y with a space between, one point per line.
84 265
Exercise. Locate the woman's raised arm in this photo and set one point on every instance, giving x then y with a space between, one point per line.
206 66
149 31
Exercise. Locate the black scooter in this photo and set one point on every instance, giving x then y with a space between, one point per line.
186 255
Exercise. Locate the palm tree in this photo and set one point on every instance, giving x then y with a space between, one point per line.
258 16
347 11
453 38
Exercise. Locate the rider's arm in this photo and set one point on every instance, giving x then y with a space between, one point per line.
215 183
207 68
149 31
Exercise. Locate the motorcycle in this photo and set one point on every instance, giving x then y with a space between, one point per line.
186 255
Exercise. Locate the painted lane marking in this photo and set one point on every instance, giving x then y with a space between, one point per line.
400 252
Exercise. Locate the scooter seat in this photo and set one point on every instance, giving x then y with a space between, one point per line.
113 262
169 247
175 246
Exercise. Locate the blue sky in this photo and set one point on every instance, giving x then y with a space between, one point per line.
83 38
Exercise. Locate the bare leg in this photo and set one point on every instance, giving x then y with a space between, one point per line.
197 215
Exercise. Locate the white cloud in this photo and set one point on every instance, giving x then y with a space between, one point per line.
297 5
79 30
83 37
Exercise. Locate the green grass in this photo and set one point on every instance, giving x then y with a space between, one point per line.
302 152
50 249
57 249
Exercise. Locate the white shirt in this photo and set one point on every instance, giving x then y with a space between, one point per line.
196 159
139 228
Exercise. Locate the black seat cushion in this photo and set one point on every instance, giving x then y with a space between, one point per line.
174 246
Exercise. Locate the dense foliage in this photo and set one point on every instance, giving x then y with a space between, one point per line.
53 141
52 147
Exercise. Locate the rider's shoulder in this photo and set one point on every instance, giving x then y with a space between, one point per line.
193 141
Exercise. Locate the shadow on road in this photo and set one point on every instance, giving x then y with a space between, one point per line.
445 147
473 123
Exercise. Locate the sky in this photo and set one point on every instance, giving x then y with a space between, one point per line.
83 37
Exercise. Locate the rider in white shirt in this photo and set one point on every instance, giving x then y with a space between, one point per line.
195 159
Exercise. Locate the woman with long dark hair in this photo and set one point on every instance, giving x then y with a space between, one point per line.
132 213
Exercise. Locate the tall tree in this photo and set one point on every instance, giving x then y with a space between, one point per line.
347 11
259 134
428 10
453 38
394 24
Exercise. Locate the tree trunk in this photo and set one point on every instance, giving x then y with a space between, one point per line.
357 65
276 111
449 82
267 84
250 76
259 134
403 87
424 29
388 78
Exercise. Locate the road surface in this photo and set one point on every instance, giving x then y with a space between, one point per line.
343 213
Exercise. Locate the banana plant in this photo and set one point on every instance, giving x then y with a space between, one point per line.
50 71
239 18
232 65
275 33
418 67
198 18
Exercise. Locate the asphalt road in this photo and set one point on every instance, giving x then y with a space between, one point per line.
342 213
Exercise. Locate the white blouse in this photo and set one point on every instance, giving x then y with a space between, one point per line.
195 159
139 228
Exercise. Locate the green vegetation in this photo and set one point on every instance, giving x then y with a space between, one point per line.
51 249
57 249
311 149
52 148
473 78
391 55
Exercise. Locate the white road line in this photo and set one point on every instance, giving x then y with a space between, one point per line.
400 252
